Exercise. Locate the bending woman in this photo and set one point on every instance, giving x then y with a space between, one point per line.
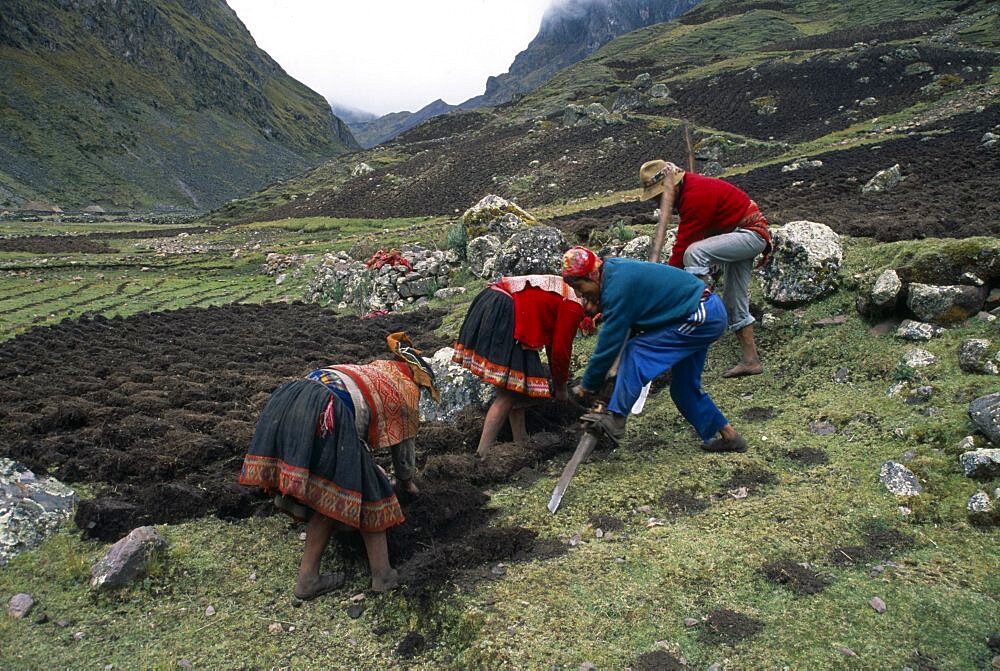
506 326
308 449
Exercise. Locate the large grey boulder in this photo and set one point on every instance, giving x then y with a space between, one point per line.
944 304
899 480
507 225
459 389
804 265
985 414
627 100
30 509
490 208
20 605
974 356
127 560
536 250
479 251
884 180
981 463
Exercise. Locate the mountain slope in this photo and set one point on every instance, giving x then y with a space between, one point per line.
570 32
856 86
148 103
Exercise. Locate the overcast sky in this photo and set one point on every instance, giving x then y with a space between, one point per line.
385 56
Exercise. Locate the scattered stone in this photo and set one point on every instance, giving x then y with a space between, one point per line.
836 320
126 560
588 666
185 664
62 624
459 389
980 503
801 163
877 604
358 598
967 444
913 330
275 628
79 636
981 464
448 292
30 509
20 605
995 663
884 180
841 375
822 428
354 611
899 479
691 621
973 356
985 414
210 611
804 264
716 666
847 652
918 358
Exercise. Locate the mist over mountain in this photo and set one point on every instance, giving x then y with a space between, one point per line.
570 31
148 104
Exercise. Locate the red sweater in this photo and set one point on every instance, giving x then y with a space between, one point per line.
710 206
545 319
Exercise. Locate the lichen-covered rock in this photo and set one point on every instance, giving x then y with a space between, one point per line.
477 219
127 560
944 304
537 250
883 180
974 356
361 169
917 331
985 414
886 290
642 81
20 605
980 509
946 261
627 100
918 358
507 225
659 91
804 265
479 251
983 464
459 389
802 163
899 479
30 509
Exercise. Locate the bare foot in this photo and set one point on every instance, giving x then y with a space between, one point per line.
386 581
309 589
408 486
744 368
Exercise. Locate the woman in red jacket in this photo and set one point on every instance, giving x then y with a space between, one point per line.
720 227
506 326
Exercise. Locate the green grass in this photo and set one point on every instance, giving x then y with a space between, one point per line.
608 600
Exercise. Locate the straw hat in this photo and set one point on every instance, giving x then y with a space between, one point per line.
651 177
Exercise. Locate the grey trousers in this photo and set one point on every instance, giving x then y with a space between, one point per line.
735 253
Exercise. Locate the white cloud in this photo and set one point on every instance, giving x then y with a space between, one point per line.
391 55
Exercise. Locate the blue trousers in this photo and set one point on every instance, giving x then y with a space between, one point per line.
683 348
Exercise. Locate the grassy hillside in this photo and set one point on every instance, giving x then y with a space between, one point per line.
148 105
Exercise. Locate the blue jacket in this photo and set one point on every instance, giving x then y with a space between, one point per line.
638 296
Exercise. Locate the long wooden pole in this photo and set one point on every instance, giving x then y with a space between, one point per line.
666 209
687 144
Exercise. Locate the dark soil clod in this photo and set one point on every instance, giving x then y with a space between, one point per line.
795 577
660 660
411 645
729 627
809 456
880 543
751 477
758 414
681 502
606 522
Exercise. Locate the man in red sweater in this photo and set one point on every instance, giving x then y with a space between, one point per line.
719 226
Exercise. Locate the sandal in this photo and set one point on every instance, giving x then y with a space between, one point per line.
324 584
603 425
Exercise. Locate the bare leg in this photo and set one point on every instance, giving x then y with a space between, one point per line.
518 428
749 359
384 577
310 583
495 417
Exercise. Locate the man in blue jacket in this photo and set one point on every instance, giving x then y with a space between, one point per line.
654 318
